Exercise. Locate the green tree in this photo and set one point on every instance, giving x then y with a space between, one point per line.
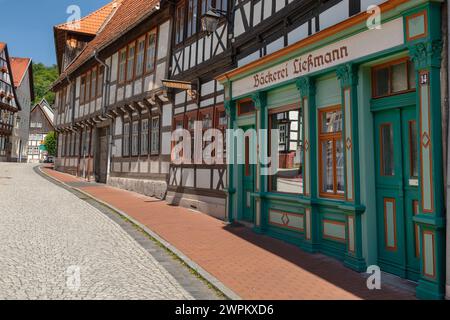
43 79
50 143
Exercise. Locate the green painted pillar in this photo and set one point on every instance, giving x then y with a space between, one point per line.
348 76
307 89
423 35
427 59
260 101
230 109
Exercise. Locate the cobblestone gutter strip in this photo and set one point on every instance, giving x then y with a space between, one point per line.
202 273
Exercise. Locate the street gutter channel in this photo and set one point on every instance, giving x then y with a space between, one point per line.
158 250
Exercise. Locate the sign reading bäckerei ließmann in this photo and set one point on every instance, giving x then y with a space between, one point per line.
360 45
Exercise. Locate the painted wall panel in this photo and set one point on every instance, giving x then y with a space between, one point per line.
167 115
238 24
275 45
166 147
203 178
328 92
188 177
298 34
257 13
267 9
334 230
334 15
114 70
160 74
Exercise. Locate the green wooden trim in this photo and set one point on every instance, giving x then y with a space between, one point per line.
426 55
386 17
397 101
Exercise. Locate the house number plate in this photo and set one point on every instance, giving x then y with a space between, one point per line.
424 78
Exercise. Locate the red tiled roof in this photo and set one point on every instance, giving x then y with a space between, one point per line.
128 14
91 23
19 67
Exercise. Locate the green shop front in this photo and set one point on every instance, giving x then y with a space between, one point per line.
360 173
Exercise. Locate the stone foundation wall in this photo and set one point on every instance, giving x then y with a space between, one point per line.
150 188
212 206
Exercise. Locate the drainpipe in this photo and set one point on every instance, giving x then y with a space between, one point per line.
72 103
106 89
107 77
72 100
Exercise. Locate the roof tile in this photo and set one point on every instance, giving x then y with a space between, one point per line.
19 67
128 14
91 23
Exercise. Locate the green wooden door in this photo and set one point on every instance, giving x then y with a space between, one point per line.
248 179
396 163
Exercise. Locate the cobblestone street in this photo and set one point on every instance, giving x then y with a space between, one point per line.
47 235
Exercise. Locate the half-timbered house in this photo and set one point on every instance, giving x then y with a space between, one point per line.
23 83
9 104
246 30
113 116
197 57
354 99
41 123
332 79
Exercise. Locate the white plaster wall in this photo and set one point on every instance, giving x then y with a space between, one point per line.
163 40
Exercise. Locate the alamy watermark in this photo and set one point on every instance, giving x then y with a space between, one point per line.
374 20
73 278
200 146
74 18
374 280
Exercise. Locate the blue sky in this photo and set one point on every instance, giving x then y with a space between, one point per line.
27 27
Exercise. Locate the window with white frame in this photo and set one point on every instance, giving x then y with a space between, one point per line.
122 65
144 136
130 61
126 139
77 144
135 139
151 51
155 136
140 57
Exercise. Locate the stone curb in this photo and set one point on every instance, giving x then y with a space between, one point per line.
205 274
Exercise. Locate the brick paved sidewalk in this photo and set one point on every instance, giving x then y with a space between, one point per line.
251 265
